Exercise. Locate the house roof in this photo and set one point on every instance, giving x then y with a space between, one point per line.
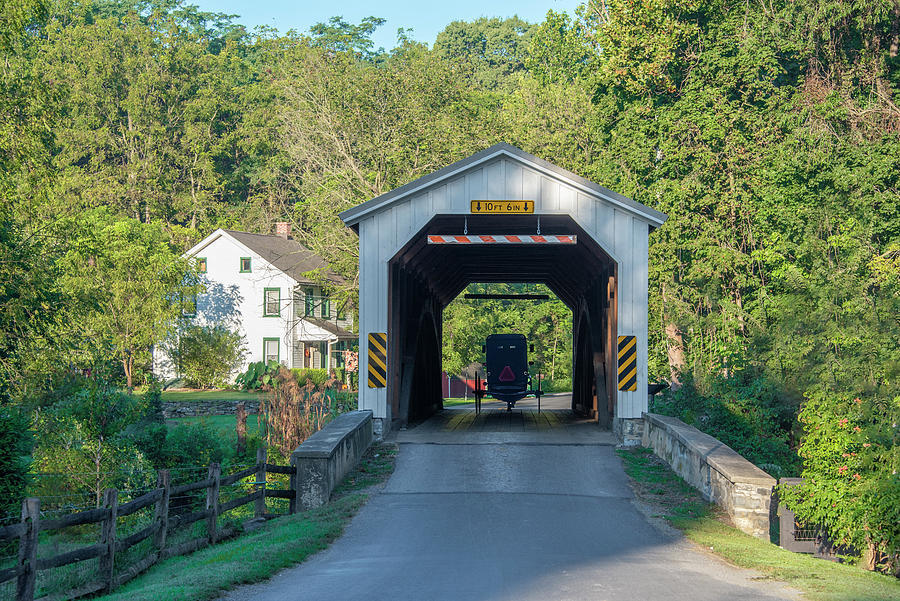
331 328
354 215
287 255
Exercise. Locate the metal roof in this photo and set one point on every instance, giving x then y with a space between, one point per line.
355 215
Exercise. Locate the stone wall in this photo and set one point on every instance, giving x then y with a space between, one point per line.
629 432
324 458
723 476
175 409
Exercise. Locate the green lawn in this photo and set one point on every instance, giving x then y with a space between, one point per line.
683 507
453 402
209 395
224 424
256 556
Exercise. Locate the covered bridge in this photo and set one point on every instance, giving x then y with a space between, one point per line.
422 243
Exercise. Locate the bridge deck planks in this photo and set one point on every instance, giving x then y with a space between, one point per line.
498 419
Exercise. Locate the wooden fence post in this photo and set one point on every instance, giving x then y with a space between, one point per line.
212 502
241 427
294 486
259 508
161 513
28 544
108 538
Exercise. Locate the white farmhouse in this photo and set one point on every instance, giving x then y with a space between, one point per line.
255 284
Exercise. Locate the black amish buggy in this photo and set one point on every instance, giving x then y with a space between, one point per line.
507 374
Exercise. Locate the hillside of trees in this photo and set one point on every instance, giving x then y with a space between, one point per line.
769 132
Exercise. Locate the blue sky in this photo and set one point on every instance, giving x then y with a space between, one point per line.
425 19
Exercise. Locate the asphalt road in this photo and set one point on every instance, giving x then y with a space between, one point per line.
494 517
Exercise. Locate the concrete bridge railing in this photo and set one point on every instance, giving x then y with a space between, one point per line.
722 475
323 459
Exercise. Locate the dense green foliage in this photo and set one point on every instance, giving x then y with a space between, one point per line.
206 356
745 413
258 374
768 132
195 445
851 456
15 448
546 324
317 376
82 446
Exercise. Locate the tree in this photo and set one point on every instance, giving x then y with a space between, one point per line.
81 447
339 36
495 48
16 18
560 50
138 285
353 130
547 325
207 356
15 462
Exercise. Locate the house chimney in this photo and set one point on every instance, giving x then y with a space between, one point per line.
283 229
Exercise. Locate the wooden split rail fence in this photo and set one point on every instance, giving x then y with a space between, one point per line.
109 544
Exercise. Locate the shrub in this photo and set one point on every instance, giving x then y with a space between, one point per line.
153 400
317 376
293 412
258 375
82 443
206 356
151 440
851 471
740 411
192 445
559 385
15 448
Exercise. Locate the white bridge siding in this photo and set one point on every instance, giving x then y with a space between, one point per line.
620 228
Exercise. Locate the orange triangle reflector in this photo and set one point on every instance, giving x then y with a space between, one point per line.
507 375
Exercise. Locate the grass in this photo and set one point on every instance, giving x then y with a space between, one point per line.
209 395
454 402
258 555
677 502
222 424
471 401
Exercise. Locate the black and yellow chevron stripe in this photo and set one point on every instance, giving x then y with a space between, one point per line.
628 363
378 360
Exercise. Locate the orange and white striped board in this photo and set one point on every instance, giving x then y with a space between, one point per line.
501 239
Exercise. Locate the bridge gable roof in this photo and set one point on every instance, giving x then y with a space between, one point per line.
353 216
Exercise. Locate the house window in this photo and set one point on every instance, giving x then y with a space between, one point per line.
201 265
326 308
189 306
245 264
271 348
310 306
272 302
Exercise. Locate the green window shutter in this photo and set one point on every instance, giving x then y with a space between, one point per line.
310 302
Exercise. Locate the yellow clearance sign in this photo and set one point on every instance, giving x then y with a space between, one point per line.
502 206
377 360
